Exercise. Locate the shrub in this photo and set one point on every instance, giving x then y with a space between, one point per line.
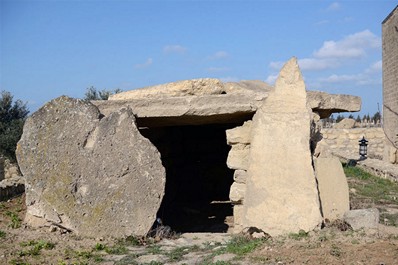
12 119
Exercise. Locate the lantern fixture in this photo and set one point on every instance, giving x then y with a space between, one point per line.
363 148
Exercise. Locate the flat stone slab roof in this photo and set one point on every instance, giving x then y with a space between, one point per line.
221 108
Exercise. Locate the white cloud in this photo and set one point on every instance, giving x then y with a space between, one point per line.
218 55
276 65
317 64
352 46
333 6
310 64
174 49
357 79
374 68
229 79
322 22
147 63
217 69
271 79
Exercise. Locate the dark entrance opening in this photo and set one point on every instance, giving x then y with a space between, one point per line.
198 180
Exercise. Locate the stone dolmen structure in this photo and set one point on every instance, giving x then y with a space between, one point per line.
202 155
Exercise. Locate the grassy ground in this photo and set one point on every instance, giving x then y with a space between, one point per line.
23 245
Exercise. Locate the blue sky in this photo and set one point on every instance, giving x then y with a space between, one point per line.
53 48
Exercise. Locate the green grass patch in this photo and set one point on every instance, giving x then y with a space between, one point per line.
35 247
15 220
81 257
240 245
2 234
298 236
177 254
379 190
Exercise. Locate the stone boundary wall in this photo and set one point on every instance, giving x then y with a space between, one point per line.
346 140
11 187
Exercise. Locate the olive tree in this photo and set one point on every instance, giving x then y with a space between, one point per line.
12 118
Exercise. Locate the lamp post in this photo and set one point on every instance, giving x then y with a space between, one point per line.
363 148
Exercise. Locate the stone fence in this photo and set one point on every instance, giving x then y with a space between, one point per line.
346 140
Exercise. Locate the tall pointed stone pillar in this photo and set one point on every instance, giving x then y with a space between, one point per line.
281 191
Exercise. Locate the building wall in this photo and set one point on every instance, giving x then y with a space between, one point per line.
390 85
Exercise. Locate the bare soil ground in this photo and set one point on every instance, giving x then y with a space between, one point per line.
20 244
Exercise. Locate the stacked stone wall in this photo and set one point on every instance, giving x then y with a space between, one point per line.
390 85
346 140
239 140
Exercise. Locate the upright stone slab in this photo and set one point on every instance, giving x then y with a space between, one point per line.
281 192
333 187
95 176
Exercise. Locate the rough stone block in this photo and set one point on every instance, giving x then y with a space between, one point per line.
237 192
238 156
97 176
238 218
239 134
363 218
333 187
240 176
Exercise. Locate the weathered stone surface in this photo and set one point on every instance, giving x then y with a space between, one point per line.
238 156
185 110
237 192
333 187
154 107
238 218
194 87
95 176
239 134
279 198
345 124
363 218
325 104
240 176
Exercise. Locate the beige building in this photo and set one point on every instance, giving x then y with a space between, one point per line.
390 85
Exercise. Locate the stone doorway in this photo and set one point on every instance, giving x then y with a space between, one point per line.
198 180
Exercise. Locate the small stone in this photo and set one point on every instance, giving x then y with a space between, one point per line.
52 229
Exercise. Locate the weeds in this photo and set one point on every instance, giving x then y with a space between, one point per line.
2 234
240 245
35 247
18 262
15 220
178 253
116 250
336 251
298 236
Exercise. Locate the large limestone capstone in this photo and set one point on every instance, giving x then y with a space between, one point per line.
281 192
194 87
94 175
333 187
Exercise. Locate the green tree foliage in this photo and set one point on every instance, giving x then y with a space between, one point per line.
339 118
12 119
376 117
93 94
358 119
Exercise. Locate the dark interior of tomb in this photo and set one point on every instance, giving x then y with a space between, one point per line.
197 177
